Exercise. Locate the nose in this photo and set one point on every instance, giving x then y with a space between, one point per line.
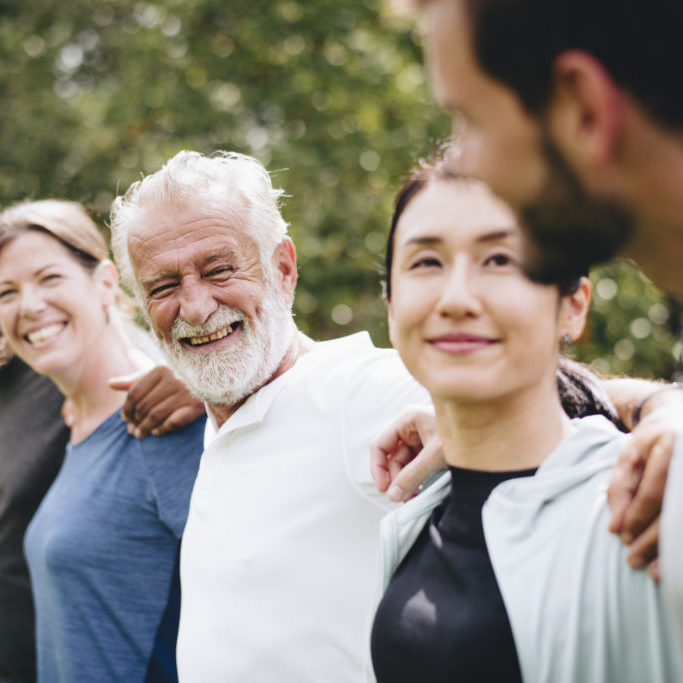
31 302
459 297
196 302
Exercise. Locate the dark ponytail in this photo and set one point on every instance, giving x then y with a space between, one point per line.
581 393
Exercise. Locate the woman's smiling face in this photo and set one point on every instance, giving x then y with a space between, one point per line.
52 310
467 323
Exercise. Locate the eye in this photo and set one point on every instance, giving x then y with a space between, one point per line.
425 262
51 278
220 271
160 291
499 260
6 294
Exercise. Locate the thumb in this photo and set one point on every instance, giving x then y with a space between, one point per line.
125 382
407 482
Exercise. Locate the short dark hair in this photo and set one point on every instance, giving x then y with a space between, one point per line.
582 394
638 42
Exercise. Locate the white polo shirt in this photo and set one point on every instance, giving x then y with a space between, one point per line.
280 556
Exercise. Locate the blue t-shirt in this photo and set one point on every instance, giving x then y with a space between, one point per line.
102 547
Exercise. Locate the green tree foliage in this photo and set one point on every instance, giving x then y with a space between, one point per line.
331 96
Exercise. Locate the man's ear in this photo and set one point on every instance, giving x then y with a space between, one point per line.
574 310
284 263
586 112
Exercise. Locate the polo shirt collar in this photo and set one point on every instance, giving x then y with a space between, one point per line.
254 409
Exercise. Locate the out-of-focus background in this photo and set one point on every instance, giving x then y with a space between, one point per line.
331 96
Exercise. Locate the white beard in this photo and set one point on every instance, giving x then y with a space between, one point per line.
229 376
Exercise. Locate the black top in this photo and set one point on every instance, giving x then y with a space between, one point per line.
32 441
442 617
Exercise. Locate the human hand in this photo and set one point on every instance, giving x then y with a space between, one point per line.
637 486
406 454
157 402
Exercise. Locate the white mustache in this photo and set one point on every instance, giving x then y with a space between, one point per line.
223 317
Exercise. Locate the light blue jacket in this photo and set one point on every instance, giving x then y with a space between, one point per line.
579 614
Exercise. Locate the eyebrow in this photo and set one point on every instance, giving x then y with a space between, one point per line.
37 272
219 255
494 236
420 241
150 282
47 267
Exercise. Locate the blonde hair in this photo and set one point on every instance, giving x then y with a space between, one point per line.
67 222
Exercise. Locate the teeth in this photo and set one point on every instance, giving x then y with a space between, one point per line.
219 334
44 333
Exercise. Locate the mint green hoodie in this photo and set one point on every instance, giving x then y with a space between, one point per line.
579 614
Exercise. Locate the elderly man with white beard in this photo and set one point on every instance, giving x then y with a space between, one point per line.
279 562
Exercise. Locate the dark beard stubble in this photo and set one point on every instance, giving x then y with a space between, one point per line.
569 230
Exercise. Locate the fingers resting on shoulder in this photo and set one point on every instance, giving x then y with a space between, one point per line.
406 454
157 402
636 490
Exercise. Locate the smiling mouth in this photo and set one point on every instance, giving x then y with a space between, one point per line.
461 344
214 336
464 338
44 333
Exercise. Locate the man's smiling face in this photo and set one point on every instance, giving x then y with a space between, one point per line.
216 309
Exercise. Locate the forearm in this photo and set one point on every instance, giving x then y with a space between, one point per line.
627 392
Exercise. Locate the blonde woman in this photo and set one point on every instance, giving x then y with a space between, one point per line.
102 546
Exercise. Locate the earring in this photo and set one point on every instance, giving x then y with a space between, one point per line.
565 339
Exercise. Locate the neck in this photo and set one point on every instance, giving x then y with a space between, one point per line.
510 433
90 399
300 345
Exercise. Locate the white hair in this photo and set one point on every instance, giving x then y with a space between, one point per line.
237 183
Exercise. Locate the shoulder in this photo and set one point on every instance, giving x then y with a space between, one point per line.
170 465
110 434
568 494
187 439
593 446
356 362
184 445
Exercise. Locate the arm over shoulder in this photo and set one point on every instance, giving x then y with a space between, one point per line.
377 390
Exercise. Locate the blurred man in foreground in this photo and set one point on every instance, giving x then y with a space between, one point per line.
572 112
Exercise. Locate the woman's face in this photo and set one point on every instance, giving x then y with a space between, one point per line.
52 310
466 322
